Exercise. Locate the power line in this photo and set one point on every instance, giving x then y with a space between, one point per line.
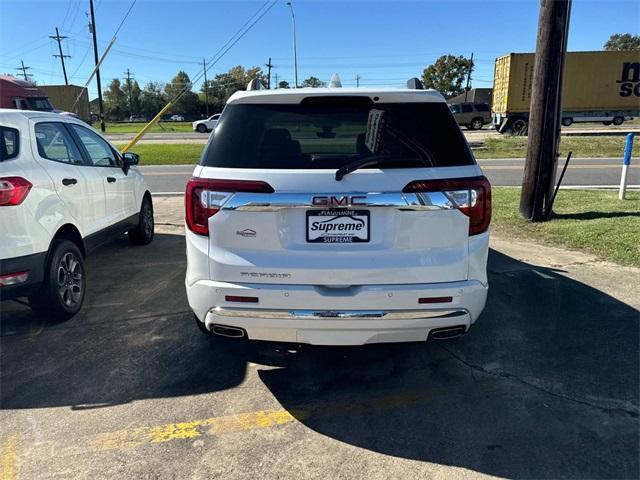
62 56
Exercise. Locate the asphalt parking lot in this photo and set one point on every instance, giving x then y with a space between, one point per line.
546 385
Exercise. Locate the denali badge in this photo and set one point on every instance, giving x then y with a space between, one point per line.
341 201
247 232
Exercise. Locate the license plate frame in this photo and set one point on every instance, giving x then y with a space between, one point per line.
357 216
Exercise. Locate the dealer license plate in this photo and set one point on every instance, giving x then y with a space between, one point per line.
338 226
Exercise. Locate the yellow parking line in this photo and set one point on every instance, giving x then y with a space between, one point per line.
243 421
8 463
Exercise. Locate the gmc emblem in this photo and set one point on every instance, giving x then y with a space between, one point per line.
341 201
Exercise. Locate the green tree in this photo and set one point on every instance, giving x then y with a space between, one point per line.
283 84
188 104
151 99
226 84
115 101
447 75
133 103
623 41
313 82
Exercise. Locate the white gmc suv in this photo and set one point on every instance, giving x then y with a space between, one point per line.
334 216
63 191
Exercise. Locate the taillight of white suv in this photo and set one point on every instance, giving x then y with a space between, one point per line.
13 190
472 196
204 198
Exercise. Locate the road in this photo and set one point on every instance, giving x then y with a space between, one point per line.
545 385
581 172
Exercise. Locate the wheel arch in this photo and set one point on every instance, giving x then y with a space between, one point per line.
69 232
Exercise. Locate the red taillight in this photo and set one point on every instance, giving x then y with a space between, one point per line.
13 278
472 196
13 190
435 300
204 197
235 298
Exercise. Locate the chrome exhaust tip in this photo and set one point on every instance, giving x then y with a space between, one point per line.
447 333
226 331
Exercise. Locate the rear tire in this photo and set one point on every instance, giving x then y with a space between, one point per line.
202 128
606 123
64 284
476 124
618 121
143 233
519 126
567 121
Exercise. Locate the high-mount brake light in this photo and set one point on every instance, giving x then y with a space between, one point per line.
204 197
471 195
13 190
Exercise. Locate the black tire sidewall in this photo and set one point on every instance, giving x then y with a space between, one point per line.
49 301
202 128
617 121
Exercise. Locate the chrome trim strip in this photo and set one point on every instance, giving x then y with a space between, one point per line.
337 314
271 202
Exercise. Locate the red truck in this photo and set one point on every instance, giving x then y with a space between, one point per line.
22 95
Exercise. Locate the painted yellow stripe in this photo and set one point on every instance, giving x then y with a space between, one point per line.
8 463
241 422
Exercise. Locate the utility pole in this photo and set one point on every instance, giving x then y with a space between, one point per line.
206 87
269 66
92 26
466 89
358 77
128 79
546 109
295 53
58 38
24 71
276 80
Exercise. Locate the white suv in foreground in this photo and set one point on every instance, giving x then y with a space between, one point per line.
334 216
64 190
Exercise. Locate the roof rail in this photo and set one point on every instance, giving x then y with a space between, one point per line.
414 84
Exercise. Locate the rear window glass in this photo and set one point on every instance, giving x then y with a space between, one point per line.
330 132
482 107
466 108
9 143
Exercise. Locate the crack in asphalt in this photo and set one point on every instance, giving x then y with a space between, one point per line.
502 374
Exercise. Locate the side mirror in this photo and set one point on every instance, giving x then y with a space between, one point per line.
130 159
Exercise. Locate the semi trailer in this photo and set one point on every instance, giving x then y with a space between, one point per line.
599 86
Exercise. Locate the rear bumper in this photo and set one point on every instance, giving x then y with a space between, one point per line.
33 264
327 316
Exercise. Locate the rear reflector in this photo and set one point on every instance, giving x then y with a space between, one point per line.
471 195
13 190
435 300
234 298
13 278
204 197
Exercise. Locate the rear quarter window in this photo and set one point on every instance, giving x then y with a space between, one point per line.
9 143
329 132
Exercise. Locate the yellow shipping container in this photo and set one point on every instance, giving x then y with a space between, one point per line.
594 83
64 96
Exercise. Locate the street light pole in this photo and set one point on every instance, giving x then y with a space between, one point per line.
295 55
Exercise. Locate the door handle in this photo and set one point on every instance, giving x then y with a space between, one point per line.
69 181
111 179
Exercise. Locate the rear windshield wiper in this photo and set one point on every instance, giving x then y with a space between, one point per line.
364 162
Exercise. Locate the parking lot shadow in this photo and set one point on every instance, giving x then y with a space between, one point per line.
545 385
134 338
